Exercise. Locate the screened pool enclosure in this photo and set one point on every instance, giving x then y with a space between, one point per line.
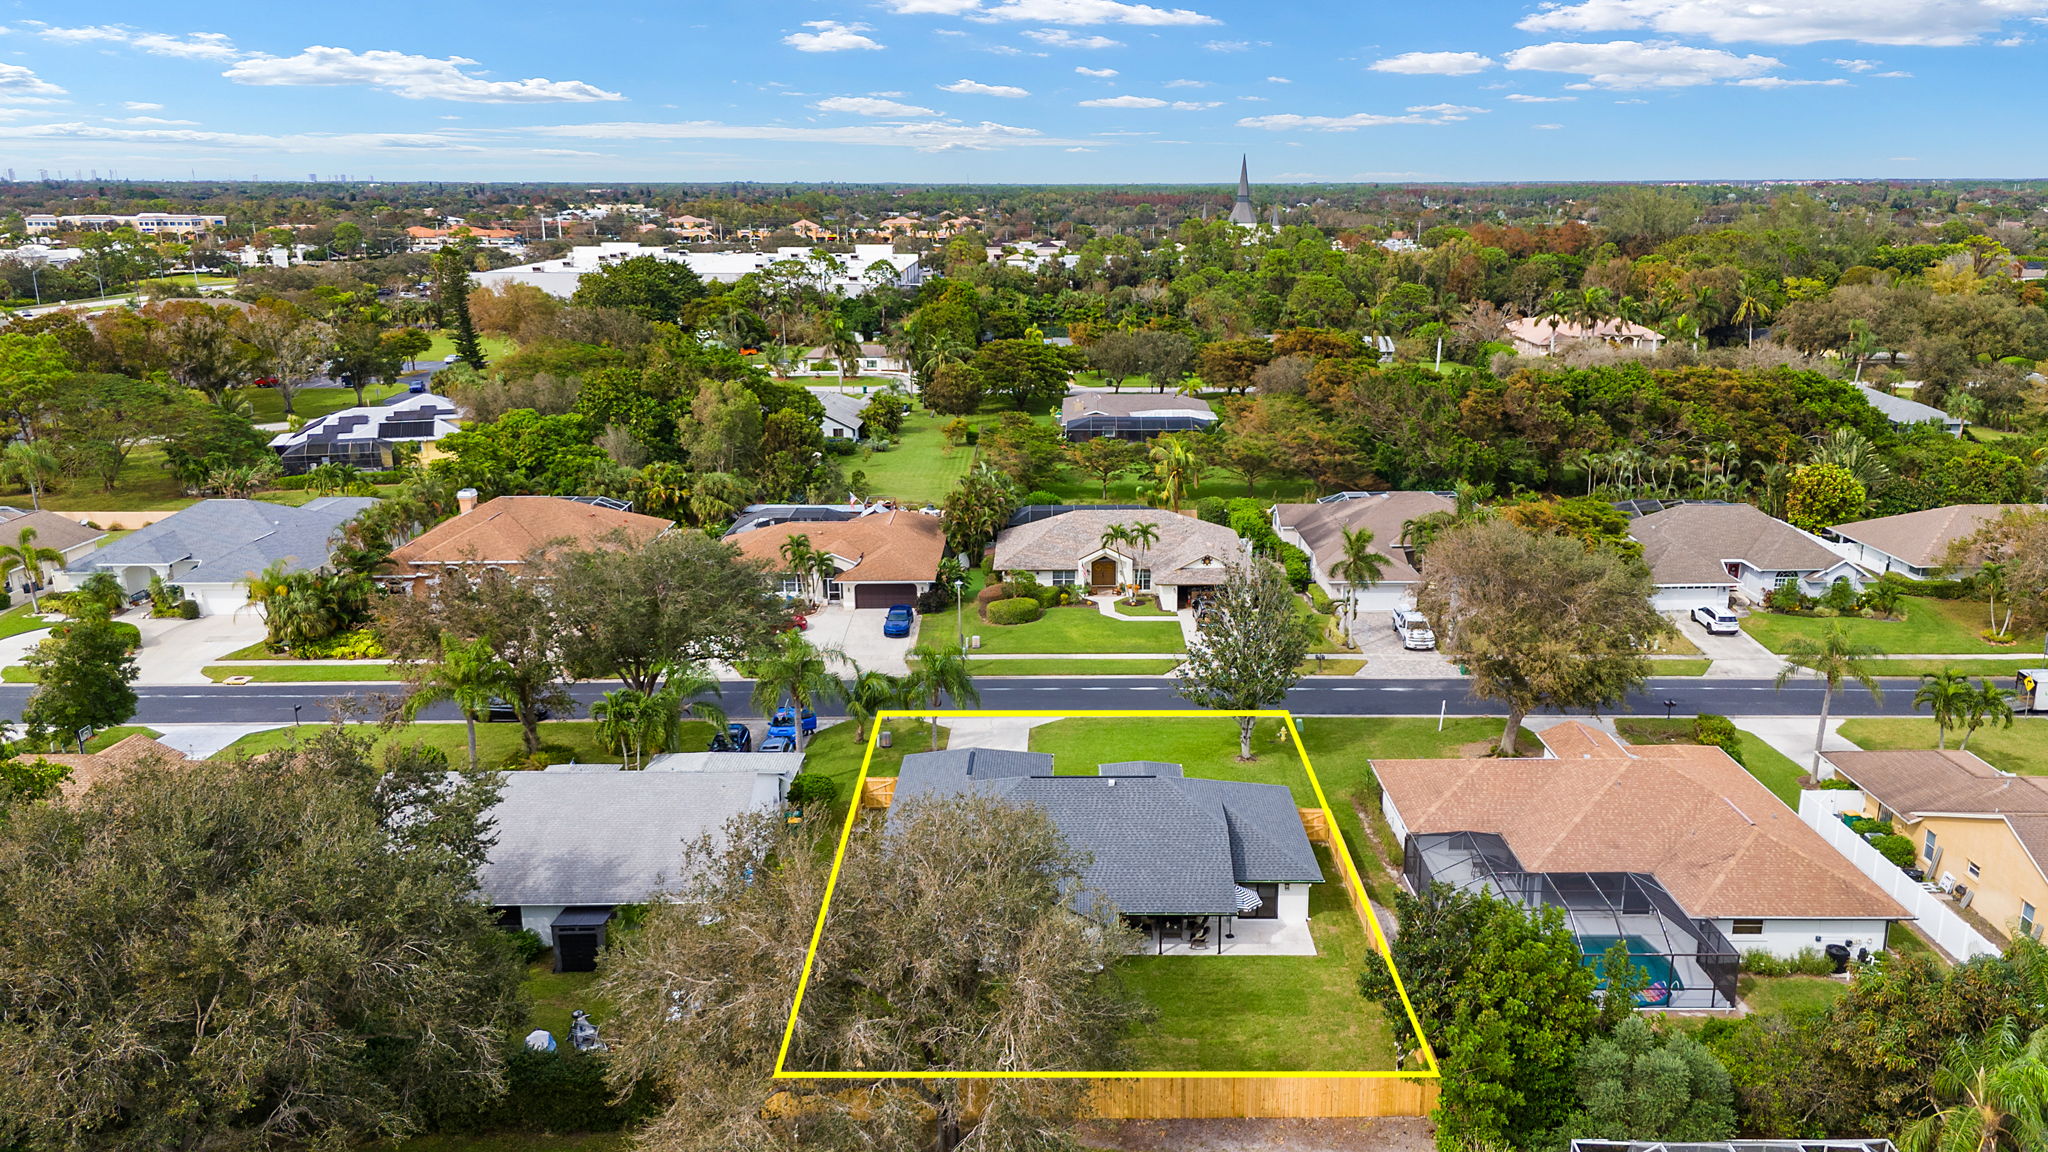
1691 965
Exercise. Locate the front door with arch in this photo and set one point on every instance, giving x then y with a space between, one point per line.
1102 573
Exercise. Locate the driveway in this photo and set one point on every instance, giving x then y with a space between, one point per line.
1377 641
174 651
858 633
1738 656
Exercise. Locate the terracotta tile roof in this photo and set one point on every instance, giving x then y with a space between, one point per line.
890 546
1714 836
1915 781
1189 551
1687 544
506 530
1322 527
1922 538
93 767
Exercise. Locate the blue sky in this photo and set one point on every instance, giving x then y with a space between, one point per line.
1026 90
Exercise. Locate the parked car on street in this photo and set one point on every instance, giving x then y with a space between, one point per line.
897 622
501 712
1414 630
783 723
1717 621
779 744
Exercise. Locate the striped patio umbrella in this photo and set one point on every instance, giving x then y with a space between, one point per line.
1247 900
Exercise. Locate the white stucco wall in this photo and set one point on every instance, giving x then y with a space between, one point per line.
1294 903
1785 937
536 918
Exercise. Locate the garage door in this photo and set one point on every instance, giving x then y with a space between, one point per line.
883 595
1680 599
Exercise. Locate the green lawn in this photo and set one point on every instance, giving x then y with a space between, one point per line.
1781 994
302 673
2022 748
444 347
835 753
1678 667
17 674
1266 1013
20 619
1901 938
495 742
142 483
1142 608
2000 670
1073 667
1938 626
106 738
267 407
917 470
1077 628
551 996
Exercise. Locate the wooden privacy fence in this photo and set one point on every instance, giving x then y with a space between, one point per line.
1276 1097
1317 825
877 791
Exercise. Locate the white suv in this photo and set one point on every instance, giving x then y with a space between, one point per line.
1717 621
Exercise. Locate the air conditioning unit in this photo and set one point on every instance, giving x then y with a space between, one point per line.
1963 897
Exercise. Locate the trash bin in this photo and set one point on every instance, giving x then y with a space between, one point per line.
884 737
1839 953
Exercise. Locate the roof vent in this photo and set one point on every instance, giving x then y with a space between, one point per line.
1112 781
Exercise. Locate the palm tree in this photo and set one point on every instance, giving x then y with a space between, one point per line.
639 724
940 673
1835 659
33 464
1990 1094
839 340
793 668
1861 347
1752 303
871 692
1114 535
1360 564
1944 695
468 675
1177 470
799 555
1142 535
1992 582
1985 704
24 554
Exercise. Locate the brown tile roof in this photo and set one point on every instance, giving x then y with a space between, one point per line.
1920 780
1687 544
889 546
93 767
1714 836
1189 551
1922 538
2032 833
506 530
52 530
1322 527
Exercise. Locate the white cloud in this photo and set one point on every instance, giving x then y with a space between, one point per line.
1783 82
299 142
1434 63
1186 84
831 36
1098 73
1087 12
1636 64
1856 65
931 7
1930 23
1228 45
1521 98
145 120
409 76
1423 114
141 106
1546 127
1278 80
1255 99
19 85
1080 149
977 88
188 45
1149 102
923 136
870 106
1892 75
1061 38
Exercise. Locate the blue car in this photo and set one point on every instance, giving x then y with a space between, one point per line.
784 723
897 623
778 744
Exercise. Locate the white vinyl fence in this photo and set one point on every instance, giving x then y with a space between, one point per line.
1937 917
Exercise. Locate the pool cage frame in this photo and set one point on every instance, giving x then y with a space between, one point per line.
1600 907
1786 1145
1098 425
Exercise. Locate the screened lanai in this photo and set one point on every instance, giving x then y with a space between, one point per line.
1691 965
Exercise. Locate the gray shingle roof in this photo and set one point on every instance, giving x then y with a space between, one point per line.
233 539
1900 410
1322 527
844 408
1687 544
1160 843
52 530
1177 557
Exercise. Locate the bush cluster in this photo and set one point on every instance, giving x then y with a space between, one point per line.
1320 600
1897 849
1809 962
560 1091
1015 610
527 945
1719 731
296 483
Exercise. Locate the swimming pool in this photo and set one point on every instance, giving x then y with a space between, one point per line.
1643 954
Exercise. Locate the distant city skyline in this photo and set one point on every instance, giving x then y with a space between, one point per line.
1027 91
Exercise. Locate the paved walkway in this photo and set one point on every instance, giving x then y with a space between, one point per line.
1185 618
1793 736
1006 733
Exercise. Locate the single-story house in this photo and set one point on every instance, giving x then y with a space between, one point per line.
1132 415
60 533
1674 848
1161 844
213 547
503 532
885 557
1900 410
1537 336
364 437
89 768
1979 833
577 840
1189 558
872 360
1705 553
842 419
1318 529
1914 544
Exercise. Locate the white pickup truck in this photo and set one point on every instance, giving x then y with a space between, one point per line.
1414 630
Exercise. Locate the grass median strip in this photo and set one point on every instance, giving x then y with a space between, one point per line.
301 673
1057 667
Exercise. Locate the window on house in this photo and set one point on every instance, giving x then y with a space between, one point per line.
1748 928
2026 918
1144 578
1930 844
792 587
1063 580
1975 872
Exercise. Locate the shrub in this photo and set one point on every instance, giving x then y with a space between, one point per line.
520 760
1213 510
810 788
937 598
1320 600
1024 584
1039 496
1896 849
1295 561
188 609
845 445
1811 962
527 945
1786 598
1837 784
1864 826
999 590
1758 962
6 599
560 1091
1839 596
355 644
1016 610
1992 637
1826 613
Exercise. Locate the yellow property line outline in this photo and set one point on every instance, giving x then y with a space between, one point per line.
1338 850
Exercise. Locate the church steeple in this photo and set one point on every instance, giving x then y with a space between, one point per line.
1242 211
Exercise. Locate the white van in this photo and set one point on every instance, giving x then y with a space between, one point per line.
1717 621
1414 629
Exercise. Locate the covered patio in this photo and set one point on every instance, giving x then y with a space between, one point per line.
1219 936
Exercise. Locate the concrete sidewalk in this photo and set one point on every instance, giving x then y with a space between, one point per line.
1793 736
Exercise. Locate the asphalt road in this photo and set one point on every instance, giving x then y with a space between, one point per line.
274 703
